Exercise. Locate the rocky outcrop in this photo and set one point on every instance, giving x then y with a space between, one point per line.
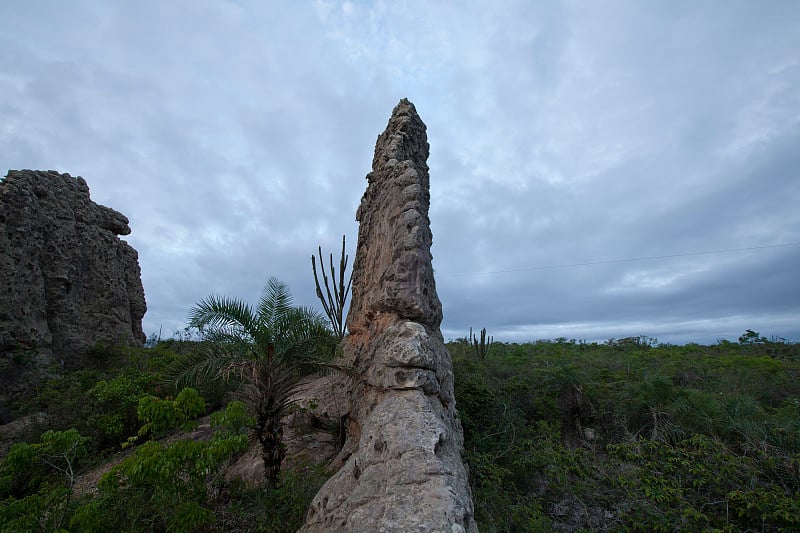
401 467
67 281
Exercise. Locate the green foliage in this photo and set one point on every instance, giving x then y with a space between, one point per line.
278 509
697 485
761 506
54 459
64 399
234 420
46 510
502 499
89 518
675 438
160 486
19 470
113 405
265 350
36 481
161 416
165 487
101 401
752 337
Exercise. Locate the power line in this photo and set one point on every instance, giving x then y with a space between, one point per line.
627 260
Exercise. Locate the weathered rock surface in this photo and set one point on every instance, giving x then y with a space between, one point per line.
11 432
401 467
67 281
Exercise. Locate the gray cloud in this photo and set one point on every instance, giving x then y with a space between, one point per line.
236 135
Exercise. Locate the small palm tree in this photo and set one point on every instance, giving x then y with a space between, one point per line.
265 351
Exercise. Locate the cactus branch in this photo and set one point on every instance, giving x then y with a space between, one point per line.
333 301
481 348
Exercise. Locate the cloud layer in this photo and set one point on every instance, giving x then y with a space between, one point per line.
235 136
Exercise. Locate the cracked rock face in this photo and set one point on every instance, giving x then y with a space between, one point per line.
67 281
400 468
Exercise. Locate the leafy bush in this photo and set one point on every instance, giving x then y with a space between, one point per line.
699 485
165 487
278 509
46 510
161 416
54 459
675 438
112 407
661 438
36 482
101 400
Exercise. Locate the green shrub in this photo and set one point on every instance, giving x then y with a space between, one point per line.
112 407
278 509
36 482
161 416
165 487
47 510
53 460
763 507
681 436
698 485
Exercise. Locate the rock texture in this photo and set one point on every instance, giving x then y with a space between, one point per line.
67 281
401 467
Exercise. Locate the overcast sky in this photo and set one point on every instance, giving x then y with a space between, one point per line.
235 135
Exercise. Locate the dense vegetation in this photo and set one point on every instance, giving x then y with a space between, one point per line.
559 435
118 412
630 436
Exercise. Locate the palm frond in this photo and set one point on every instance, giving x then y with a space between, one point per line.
304 335
310 314
265 353
270 389
202 365
301 322
230 338
220 313
276 301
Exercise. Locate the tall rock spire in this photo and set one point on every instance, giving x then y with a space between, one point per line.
401 467
392 271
